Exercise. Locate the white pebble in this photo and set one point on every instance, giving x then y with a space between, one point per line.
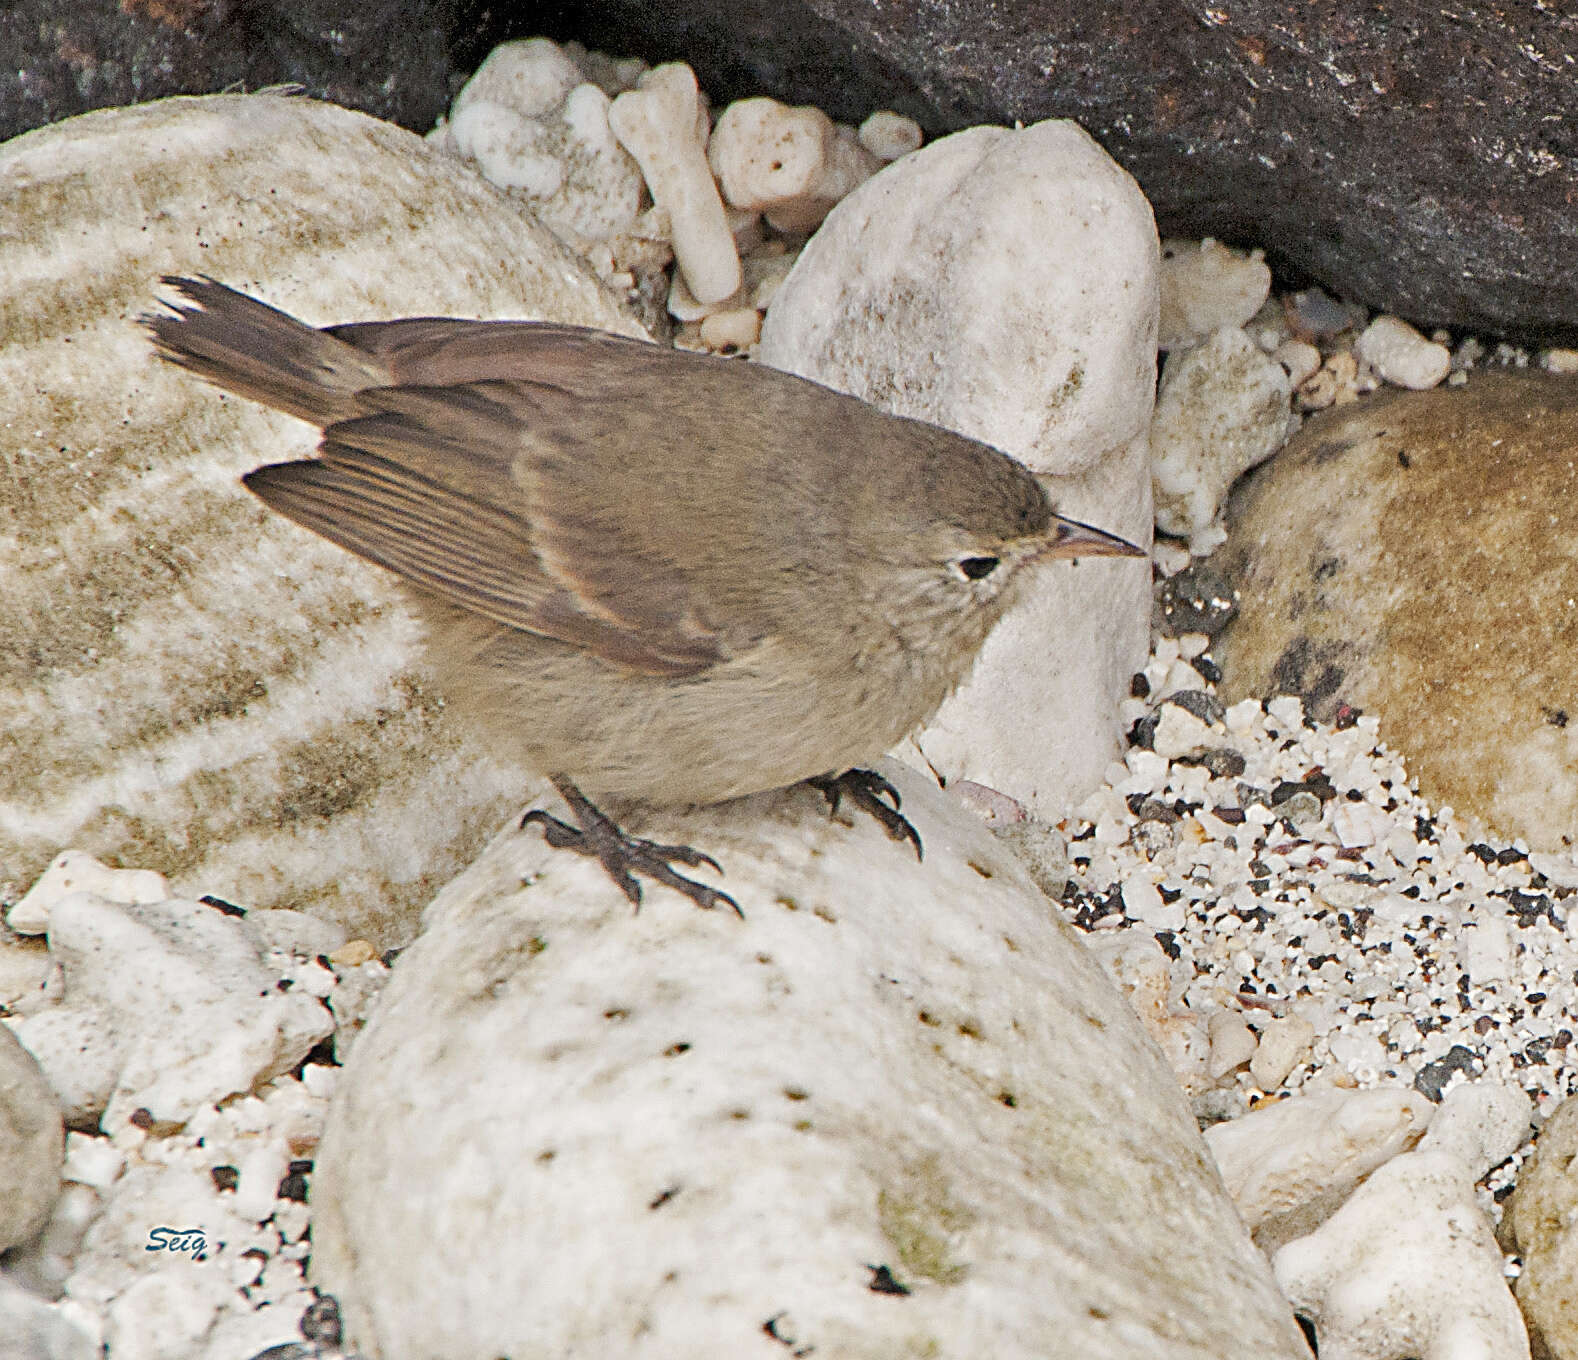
738 328
1560 870
1485 950
1206 286
530 77
1221 408
74 871
1283 1045
166 1315
662 124
1178 732
92 1161
888 135
262 1169
1287 711
1299 359
1243 716
1481 1123
1401 355
1143 902
1233 1043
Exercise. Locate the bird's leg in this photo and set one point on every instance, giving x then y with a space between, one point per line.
868 790
622 854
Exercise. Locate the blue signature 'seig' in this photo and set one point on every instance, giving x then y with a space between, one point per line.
176 1239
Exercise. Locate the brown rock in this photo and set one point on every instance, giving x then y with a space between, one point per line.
1542 1213
1412 556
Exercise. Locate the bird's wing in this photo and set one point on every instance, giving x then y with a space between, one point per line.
428 484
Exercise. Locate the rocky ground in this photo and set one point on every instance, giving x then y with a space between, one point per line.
1368 996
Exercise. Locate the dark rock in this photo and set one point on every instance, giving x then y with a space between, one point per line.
389 58
1433 1077
1199 599
1407 156
1206 707
1221 762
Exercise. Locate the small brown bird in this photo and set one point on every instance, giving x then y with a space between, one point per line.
644 573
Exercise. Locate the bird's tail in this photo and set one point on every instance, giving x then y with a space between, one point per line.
256 351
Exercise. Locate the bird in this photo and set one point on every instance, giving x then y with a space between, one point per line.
651 575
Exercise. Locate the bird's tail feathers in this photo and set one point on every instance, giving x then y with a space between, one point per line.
256 351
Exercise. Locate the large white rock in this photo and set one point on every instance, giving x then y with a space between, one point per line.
188 682
168 1006
1409 1268
571 1129
1290 1164
1003 284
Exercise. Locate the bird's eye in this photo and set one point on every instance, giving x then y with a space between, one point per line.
976 568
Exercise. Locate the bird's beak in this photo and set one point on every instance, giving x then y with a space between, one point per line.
1070 538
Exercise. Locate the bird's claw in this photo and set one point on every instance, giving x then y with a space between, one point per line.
873 793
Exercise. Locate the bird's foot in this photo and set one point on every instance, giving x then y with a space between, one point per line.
624 855
869 790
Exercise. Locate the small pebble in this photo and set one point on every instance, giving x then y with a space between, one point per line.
887 135
1401 355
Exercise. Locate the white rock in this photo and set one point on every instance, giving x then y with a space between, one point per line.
1485 950
1284 1043
1233 1043
1286 711
31 1144
1178 732
1222 408
888 135
663 125
251 1334
261 1171
531 76
734 330
1300 360
35 1329
565 160
167 1006
792 164
1481 1123
1206 286
77 871
1407 1269
717 1120
1401 355
28 978
1001 283
1136 964
1563 361
164 1315
92 1161
1290 1163
1358 825
1561 870
1243 717
295 932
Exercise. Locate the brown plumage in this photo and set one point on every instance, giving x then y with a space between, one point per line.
646 573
